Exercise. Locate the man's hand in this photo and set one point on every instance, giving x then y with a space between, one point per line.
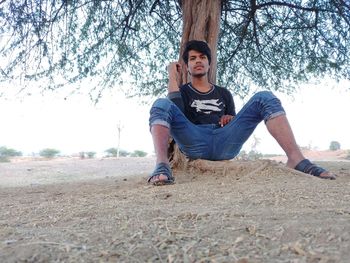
174 71
225 120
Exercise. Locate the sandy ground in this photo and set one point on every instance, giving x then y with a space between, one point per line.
42 172
234 211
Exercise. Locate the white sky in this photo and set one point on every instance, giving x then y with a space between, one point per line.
318 114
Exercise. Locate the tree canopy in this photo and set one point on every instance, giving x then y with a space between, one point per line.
272 44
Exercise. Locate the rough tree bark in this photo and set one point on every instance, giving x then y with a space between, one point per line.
201 21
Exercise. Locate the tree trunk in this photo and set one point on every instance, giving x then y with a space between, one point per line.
201 21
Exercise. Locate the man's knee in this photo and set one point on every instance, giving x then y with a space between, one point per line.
163 104
266 95
160 113
272 106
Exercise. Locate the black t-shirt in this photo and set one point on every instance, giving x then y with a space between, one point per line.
204 108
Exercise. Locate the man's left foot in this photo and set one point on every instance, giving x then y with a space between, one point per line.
308 167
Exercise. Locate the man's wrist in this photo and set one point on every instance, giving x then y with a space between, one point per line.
174 95
173 89
173 86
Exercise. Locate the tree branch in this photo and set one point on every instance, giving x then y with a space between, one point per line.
341 11
248 20
153 6
58 11
276 3
255 32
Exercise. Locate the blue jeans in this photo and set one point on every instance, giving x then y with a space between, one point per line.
210 141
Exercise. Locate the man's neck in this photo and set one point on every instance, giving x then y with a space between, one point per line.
201 84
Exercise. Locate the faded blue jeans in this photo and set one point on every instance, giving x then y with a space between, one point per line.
211 141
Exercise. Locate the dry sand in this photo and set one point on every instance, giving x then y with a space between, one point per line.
234 211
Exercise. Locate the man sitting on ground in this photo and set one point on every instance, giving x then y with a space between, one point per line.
201 118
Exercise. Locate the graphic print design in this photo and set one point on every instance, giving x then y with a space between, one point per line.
206 106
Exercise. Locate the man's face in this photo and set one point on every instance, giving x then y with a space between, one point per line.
198 64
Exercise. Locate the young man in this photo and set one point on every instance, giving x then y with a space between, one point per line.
201 118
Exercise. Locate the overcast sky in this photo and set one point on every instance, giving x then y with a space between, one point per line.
317 113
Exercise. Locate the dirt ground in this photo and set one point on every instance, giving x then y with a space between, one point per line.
232 211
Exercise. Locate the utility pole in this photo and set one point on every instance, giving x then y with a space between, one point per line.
119 129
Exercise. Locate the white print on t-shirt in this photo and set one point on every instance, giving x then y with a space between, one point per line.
206 106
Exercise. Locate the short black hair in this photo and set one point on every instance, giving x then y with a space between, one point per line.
199 46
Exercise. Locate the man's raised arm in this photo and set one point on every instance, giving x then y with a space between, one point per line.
174 71
174 94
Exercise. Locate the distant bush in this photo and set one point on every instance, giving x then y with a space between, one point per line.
5 153
138 153
49 152
113 152
123 153
334 146
91 154
252 155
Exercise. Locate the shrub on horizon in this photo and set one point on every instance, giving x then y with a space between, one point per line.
138 153
113 152
91 154
49 153
6 153
334 146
